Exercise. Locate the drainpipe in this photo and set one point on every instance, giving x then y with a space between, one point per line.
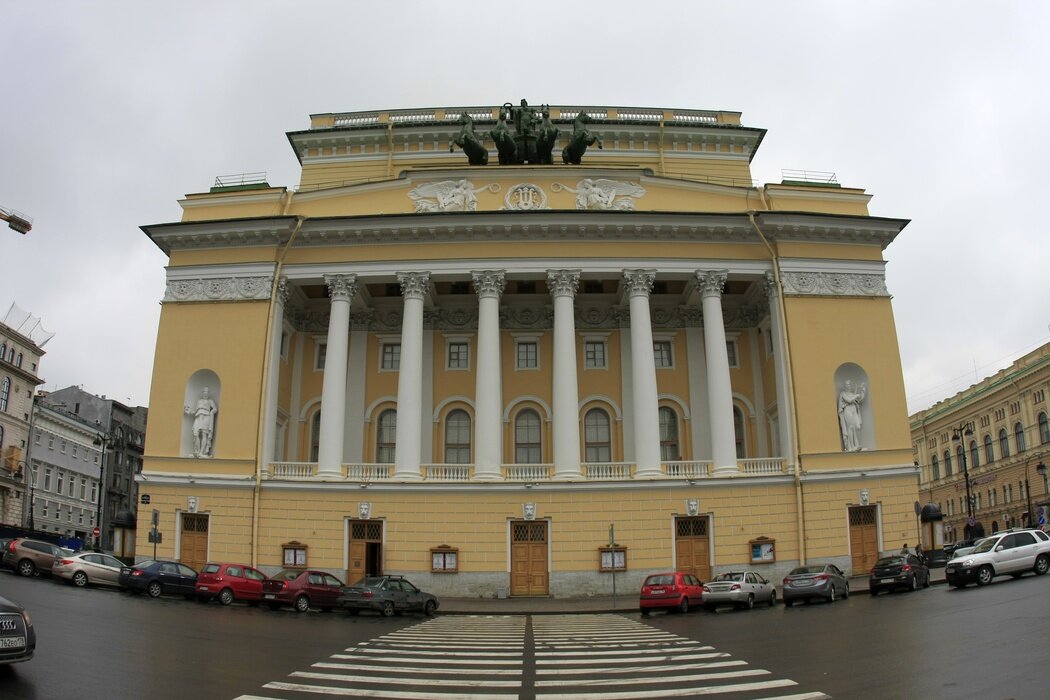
660 147
792 411
390 149
267 351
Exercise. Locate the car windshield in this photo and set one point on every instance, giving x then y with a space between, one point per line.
660 580
985 545
144 564
735 576
806 570
889 561
286 575
371 582
210 569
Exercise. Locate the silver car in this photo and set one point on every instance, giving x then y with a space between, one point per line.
83 568
741 588
824 581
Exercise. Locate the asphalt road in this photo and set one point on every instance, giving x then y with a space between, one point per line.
986 643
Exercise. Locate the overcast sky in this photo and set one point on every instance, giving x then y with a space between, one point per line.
112 111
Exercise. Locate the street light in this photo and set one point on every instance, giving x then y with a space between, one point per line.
102 439
26 472
966 429
1041 469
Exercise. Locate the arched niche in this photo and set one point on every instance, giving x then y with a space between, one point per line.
856 421
196 405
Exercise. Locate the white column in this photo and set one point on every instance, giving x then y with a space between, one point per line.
488 392
270 417
566 408
409 381
341 288
720 390
784 428
639 284
356 373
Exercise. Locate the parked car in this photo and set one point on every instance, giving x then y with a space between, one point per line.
83 568
158 577
302 589
32 557
815 581
17 636
741 588
1012 552
898 571
229 582
673 590
387 595
963 549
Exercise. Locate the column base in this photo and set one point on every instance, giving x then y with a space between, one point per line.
649 473
329 473
406 476
568 476
488 476
729 470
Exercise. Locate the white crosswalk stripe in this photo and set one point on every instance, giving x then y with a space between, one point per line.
546 657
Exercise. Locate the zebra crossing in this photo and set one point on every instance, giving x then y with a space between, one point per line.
546 657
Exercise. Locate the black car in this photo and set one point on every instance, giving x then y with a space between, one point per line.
898 571
158 577
17 637
387 595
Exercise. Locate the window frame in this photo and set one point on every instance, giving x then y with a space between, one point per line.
530 446
455 449
600 345
597 445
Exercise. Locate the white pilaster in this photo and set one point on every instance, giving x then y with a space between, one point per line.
566 408
409 381
639 284
720 391
341 288
270 417
488 392
784 427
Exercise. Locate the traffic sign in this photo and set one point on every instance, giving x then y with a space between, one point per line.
95 531
972 521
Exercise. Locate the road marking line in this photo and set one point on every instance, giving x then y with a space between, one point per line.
639 669
399 694
420 669
692 677
540 663
671 692
373 650
447 662
466 682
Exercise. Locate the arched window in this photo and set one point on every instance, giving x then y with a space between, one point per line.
1004 444
386 436
5 393
3 350
669 450
975 455
960 456
1 437
457 437
11 355
1044 429
315 436
1019 437
947 463
596 436
18 361
936 464
738 433
989 452
527 446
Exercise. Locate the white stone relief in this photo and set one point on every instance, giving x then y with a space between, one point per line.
254 288
528 511
525 197
364 510
692 506
834 283
602 194
448 195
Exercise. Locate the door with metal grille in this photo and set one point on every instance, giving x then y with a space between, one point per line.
193 541
863 537
366 550
692 547
528 558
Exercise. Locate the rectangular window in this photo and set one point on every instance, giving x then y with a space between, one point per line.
734 361
662 353
74 451
72 486
594 354
80 517
444 560
458 355
61 476
83 488
320 356
50 442
391 356
94 491
43 511
528 354
62 449
47 479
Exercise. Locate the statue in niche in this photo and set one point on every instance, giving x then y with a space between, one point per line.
849 415
203 424
581 138
476 152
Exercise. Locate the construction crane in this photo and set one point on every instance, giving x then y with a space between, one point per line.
16 220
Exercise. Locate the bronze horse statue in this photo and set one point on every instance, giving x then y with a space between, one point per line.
545 138
476 152
508 150
580 140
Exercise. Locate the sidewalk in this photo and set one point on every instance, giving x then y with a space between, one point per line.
625 602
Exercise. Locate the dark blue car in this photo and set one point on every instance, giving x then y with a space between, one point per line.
158 577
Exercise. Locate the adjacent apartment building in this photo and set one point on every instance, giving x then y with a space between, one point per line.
513 351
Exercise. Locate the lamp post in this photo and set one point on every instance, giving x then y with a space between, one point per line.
102 439
1041 469
24 471
966 430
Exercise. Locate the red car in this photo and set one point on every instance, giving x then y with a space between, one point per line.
301 590
230 582
674 590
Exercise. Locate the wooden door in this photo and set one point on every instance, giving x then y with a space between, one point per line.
528 558
863 538
692 547
193 544
365 550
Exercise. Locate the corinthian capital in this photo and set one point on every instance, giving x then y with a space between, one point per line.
489 283
563 283
639 282
341 287
413 284
710 282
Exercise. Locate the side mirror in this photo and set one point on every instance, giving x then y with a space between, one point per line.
999 548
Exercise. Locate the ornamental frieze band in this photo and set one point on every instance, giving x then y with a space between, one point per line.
254 288
834 284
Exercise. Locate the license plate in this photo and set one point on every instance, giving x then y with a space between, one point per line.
658 591
950 570
12 642
269 596
204 588
886 580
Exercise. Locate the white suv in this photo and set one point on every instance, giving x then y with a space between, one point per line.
1009 552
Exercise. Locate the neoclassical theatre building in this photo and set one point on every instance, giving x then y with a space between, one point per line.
527 351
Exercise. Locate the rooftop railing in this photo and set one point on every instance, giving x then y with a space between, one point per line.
482 113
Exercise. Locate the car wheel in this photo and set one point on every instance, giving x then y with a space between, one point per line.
26 568
683 607
914 582
1042 565
302 604
845 592
80 579
772 598
429 608
926 582
226 596
388 609
831 594
154 589
750 604
985 575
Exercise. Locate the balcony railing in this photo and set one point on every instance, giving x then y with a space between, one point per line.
529 473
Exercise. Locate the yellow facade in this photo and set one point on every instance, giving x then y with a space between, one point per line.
689 457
